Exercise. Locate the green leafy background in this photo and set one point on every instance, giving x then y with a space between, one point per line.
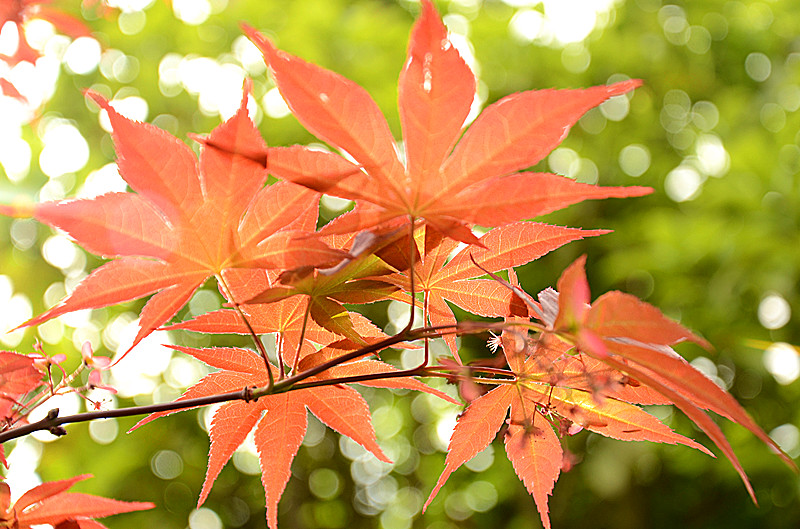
717 75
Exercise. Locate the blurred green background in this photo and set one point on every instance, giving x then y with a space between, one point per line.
714 130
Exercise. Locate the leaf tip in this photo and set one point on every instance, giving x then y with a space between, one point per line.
639 191
246 28
623 87
263 43
101 101
702 342
428 10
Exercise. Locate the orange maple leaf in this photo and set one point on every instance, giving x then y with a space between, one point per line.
280 420
633 338
542 401
49 503
479 182
186 222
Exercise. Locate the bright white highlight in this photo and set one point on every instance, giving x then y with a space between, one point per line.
783 362
634 159
616 108
60 252
104 180
139 372
249 56
274 104
15 156
15 309
711 154
204 518
788 438
444 429
218 86
67 404
132 107
774 311
126 6
191 12
22 462
563 22
38 31
65 150
683 183
527 25
83 55
9 38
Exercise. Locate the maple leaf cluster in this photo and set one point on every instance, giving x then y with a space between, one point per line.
567 364
27 381
18 377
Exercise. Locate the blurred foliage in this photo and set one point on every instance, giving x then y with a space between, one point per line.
717 124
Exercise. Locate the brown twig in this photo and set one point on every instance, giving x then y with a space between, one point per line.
54 424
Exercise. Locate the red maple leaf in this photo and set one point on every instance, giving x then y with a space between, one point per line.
186 222
280 420
633 338
284 317
542 405
588 369
479 182
49 503
18 376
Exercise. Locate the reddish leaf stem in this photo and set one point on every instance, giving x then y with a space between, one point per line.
256 340
412 246
302 338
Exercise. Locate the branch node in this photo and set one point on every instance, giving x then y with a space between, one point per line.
52 414
58 431
248 394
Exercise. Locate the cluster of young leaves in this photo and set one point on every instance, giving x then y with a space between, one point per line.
18 377
28 381
586 366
